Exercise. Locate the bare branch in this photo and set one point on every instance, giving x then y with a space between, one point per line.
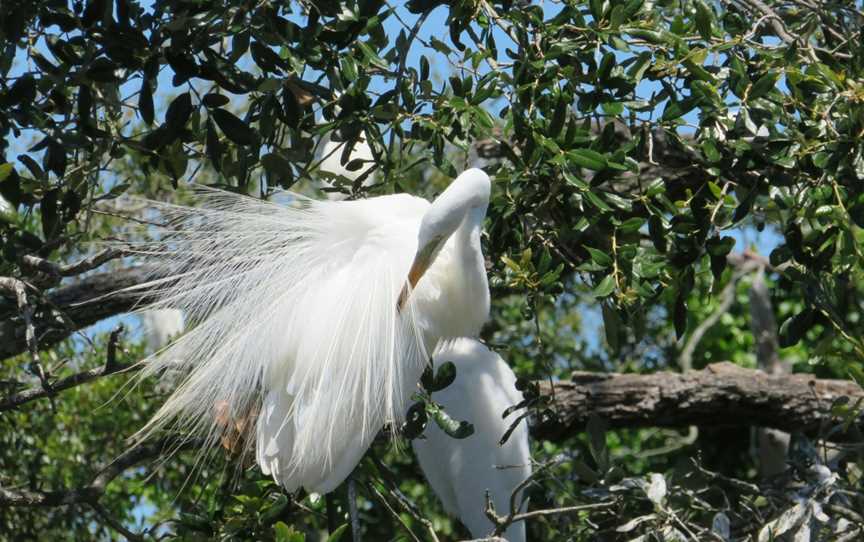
114 524
91 492
110 367
501 523
81 304
721 394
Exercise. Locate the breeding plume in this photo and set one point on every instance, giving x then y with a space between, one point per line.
314 317
462 470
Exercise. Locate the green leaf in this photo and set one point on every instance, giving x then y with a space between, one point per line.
284 533
275 510
213 146
31 164
596 8
215 100
235 129
424 68
611 326
453 428
657 233
599 257
720 246
638 68
605 68
275 163
559 115
588 158
575 181
440 46
5 170
632 224
179 112
675 109
445 376
679 316
50 218
102 70
145 102
709 149
55 158
415 420
606 287
763 85
820 159
597 202
703 20
794 328
339 533
371 55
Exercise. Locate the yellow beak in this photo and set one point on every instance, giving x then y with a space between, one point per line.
424 258
418 268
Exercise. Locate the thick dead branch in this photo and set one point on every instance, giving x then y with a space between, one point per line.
37 264
721 394
69 309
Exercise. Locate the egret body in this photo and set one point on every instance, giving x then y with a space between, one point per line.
462 470
317 317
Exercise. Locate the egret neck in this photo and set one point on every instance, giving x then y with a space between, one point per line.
459 210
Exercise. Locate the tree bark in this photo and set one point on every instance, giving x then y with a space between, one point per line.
721 394
68 309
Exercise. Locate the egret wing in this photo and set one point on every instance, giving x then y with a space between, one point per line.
292 313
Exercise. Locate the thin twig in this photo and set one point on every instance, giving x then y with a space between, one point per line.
353 516
114 524
383 500
110 367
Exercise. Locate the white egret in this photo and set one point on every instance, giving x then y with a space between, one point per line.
160 326
331 159
318 317
462 470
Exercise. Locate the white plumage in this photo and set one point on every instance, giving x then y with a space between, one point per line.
318 316
331 158
462 470
160 326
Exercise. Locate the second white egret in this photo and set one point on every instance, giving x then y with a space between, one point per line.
461 471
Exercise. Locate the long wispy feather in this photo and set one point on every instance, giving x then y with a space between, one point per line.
292 318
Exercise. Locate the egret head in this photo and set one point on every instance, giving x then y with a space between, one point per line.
463 202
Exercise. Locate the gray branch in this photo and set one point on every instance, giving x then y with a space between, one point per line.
721 394
68 309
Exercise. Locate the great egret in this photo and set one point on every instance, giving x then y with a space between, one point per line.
462 470
160 326
331 158
317 316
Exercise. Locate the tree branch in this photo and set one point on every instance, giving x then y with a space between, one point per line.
81 304
721 394
110 367
91 492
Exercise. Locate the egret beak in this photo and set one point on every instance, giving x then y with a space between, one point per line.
424 258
